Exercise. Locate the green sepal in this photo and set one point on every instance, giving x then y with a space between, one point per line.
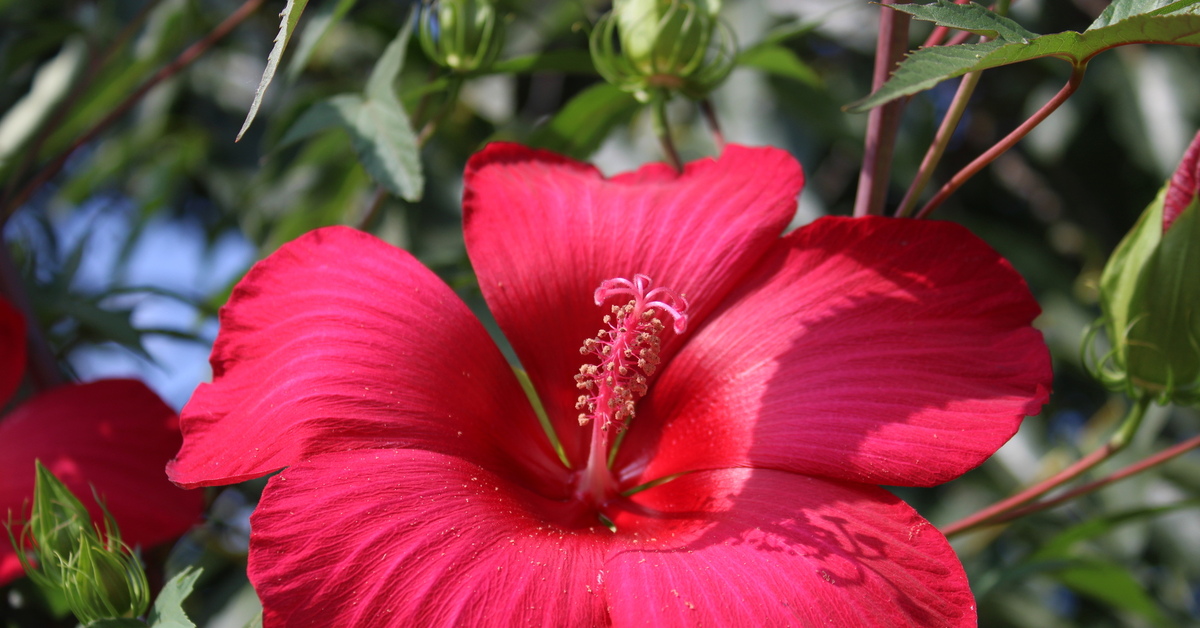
1151 304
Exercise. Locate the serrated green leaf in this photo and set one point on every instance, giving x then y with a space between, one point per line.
581 126
1125 9
322 116
970 17
287 25
779 61
381 85
168 608
929 66
387 147
327 16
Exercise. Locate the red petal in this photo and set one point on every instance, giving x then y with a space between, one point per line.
414 538
875 350
777 549
543 231
1184 186
411 537
12 351
115 435
339 341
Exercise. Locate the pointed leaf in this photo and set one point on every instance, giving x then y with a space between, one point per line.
287 25
581 126
381 83
780 61
1124 9
168 608
970 17
929 66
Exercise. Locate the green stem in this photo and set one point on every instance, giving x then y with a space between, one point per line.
1115 443
938 147
658 119
1010 140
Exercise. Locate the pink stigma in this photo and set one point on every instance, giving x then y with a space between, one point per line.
627 352
674 304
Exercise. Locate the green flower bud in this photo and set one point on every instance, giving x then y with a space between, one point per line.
1151 298
674 45
97 573
463 35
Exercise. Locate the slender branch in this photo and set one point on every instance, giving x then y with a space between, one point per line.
41 364
1116 443
658 118
184 59
1003 145
714 125
882 122
54 121
938 147
1133 469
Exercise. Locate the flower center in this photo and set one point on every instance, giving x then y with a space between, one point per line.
627 354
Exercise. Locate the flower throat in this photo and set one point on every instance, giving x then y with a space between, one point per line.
627 353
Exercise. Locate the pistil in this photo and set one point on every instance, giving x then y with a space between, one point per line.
627 353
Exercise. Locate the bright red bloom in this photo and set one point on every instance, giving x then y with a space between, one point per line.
113 435
784 377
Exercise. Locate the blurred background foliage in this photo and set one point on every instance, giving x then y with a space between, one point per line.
127 252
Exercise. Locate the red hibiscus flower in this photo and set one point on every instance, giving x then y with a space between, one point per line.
111 435
739 403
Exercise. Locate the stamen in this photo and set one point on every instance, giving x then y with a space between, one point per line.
628 351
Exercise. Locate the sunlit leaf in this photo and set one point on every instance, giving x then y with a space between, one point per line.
168 607
780 61
287 25
581 126
1174 23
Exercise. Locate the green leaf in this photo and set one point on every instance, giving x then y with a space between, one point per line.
287 25
929 66
387 147
321 116
381 85
327 16
168 608
780 61
968 17
1124 9
581 126
1111 584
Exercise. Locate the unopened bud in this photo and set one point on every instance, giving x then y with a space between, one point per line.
1150 295
96 573
463 35
674 45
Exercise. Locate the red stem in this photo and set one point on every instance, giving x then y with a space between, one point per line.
1133 469
1003 145
184 59
1116 442
714 125
883 122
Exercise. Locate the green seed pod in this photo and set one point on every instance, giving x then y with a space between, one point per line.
674 45
97 574
463 35
1150 295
